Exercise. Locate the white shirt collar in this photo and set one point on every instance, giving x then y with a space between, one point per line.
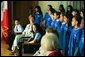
57 19
77 28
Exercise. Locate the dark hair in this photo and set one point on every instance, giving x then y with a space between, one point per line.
57 13
77 19
62 8
70 12
75 10
69 18
36 26
51 9
39 29
77 15
17 19
50 6
71 8
39 9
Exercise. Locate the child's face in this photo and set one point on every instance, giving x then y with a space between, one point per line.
74 13
82 24
74 22
61 17
65 19
34 28
48 8
55 16
36 9
81 14
16 22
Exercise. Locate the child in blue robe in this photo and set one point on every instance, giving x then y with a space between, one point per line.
74 37
80 50
53 24
81 44
53 16
57 22
64 35
47 17
61 17
48 20
38 16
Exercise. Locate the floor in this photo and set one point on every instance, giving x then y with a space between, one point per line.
5 52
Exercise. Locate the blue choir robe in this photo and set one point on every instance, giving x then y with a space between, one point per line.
64 36
37 18
60 36
53 23
58 25
73 42
48 20
81 44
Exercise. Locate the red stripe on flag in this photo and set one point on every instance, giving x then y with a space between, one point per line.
5 25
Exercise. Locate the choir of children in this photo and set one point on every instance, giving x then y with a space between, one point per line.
70 28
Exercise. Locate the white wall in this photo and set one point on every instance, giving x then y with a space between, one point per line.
76 4
55 4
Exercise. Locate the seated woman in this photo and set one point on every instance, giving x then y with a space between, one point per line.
49 46
28 30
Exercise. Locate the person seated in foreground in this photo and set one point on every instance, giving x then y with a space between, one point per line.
49 46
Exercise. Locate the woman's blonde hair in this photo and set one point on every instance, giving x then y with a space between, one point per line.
49 42
51 30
